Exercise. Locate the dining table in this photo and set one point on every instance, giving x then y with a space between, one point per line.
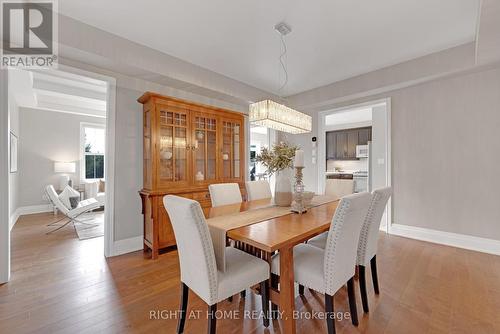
279 234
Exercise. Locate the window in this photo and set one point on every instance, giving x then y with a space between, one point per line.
94 143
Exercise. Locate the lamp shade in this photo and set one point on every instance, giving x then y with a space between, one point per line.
64 167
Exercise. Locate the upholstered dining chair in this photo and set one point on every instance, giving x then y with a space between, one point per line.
258 190
199 269
225 194
368 241
339 187
327 270
367 248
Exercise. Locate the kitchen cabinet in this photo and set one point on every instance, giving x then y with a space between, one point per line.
364 136
341 144
341 151
352 142
331 145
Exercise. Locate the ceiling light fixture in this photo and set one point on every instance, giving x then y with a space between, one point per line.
275 115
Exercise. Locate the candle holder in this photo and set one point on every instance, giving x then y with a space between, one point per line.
298 203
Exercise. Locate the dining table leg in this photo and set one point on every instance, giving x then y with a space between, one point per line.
287 290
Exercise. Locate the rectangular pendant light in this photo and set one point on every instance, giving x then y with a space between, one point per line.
279 117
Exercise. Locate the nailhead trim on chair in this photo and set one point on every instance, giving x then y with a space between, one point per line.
380 195
207 251
329 265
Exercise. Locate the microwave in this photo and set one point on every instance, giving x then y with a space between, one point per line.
362 151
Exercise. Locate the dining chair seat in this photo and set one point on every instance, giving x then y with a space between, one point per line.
308 266
242 271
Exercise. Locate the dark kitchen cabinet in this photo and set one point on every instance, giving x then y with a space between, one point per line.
331 145
341 145
341 151
364 136
352 142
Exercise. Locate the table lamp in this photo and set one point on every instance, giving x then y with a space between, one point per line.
64 168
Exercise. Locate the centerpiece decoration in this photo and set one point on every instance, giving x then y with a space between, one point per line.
279 160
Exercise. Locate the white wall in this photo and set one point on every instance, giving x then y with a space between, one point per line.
13 177
46 137
4 179
379 149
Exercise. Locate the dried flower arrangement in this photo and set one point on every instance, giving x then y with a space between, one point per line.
278 158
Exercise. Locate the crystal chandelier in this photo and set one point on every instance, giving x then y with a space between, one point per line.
275 115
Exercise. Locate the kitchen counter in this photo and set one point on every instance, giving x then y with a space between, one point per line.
331 172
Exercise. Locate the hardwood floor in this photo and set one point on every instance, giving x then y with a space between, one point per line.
63 285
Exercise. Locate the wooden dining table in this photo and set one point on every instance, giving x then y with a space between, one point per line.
279 234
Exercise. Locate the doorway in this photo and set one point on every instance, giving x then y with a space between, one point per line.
260 137
375 115
53 95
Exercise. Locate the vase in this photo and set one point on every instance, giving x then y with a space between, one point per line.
283 189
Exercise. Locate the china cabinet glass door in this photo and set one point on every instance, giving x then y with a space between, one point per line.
204 148
173 146
231 149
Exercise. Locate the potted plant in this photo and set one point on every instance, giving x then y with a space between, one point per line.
279 160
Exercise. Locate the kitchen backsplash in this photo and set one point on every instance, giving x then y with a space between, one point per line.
351 165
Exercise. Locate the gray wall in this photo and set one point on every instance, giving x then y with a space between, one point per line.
445 155
46 137
445 146
128 162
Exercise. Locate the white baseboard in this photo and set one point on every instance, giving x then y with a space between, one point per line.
28 210
13 219
478 244
127 245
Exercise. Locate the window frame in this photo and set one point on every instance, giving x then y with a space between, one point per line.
83 154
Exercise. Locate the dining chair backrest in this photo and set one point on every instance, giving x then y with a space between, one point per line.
225 194
368 239
54 198
342 241
258 190
339 187
194 245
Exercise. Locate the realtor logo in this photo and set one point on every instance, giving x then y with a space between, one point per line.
29 34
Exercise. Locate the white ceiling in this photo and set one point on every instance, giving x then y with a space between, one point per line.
331 39
349 117
58 91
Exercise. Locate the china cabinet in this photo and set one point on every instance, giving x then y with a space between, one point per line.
187 146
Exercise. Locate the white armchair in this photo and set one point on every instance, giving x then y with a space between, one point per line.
199 269
72 215
92 191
